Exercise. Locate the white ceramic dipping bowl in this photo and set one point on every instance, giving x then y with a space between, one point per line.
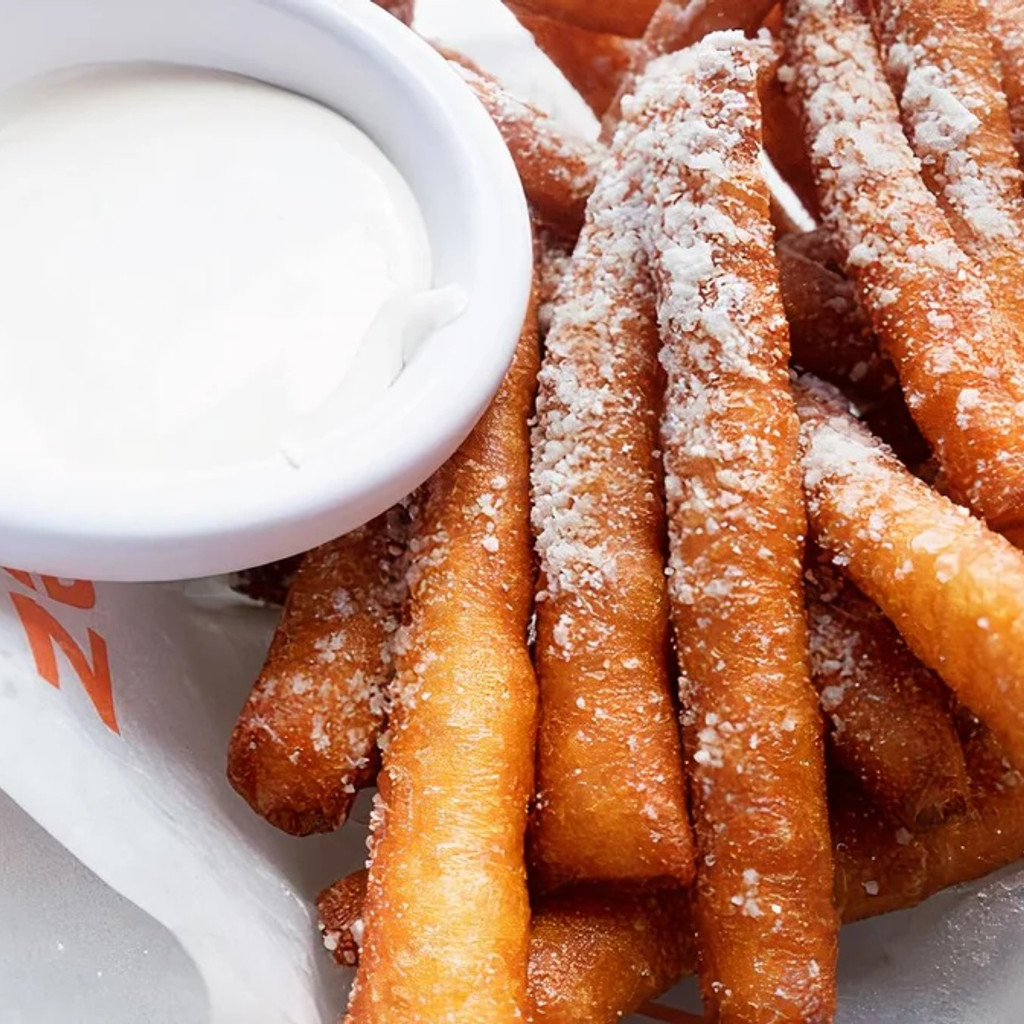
358 60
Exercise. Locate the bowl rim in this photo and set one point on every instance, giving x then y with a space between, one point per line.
109 526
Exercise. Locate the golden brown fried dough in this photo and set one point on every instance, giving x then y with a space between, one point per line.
1006 24
675 25
446 923
594 63
340 907
952 587
611 795
617 17
763 907
828 332
890 717
881 866
306 739
598 952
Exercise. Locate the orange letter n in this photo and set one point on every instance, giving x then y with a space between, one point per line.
45 634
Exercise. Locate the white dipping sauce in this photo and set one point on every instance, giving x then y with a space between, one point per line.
196 270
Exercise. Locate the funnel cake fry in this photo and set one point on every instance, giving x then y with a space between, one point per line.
611 793
677 24
830 337
447 916
891 722
828 332
765 921
306 739
598 952
952 587
954 351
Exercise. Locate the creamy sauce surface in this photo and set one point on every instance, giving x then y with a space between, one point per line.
196 270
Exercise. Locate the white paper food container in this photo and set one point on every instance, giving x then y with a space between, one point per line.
135 886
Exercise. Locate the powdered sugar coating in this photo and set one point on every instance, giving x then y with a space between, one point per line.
1006 19
306 739
553 253
926 298
955 116
943 68
735 534
611 800
676 25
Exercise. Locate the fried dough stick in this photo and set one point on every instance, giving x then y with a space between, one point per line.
882 867
594 63
952 587
953 349
677 24
891 726
306 739
447 912
1006 24
267 584
611 792
765 921
617 17
957 119
558 172
597 952
828 332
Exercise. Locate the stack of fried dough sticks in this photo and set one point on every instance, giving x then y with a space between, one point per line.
761 494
